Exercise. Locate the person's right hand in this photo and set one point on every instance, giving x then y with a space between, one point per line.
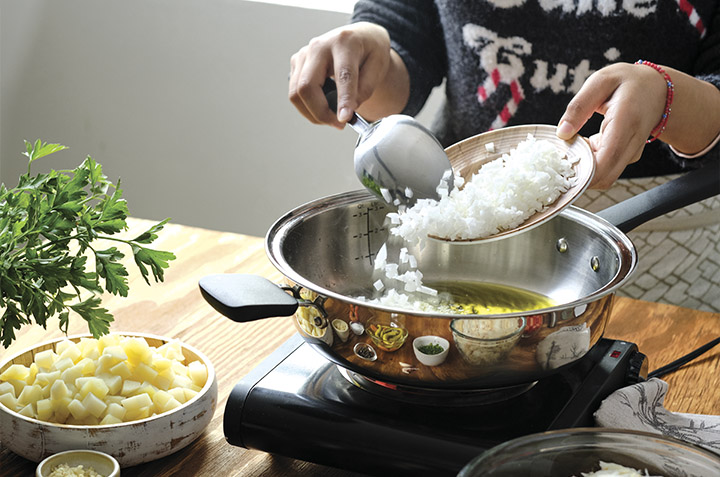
357 56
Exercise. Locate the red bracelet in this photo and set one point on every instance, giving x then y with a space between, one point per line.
658 130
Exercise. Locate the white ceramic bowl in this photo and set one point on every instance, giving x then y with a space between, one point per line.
102 463
131 443
431 359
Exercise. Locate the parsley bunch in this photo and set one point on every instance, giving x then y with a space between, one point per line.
49 261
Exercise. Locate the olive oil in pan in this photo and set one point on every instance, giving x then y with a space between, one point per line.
481 298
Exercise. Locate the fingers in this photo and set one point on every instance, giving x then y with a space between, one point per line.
309 68
591 98
610 160
628 99
356 56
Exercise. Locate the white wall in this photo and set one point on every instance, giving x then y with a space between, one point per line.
184 100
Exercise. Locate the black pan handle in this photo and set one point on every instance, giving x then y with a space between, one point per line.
245 298
688 189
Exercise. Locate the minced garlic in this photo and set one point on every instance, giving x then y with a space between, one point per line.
64 470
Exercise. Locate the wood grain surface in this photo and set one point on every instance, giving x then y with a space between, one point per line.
176 309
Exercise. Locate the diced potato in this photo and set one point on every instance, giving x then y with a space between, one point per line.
34 369
77 409
46 379
181 382
63 364
189 394
130 387
62 411
164 379
27 411
113 382
72 373
90 420
59 390
137 350
198 373
116 352
109 380
17 384
178 394
62 345
160 362
8 400
172 350
116 410
87 346
71 350
143 372
87 366
46 358
179 368
121 369
164 402
108 340
15 371
161 398
94 405
6 387
30 395
44 409
141 413
110 419
134 403
105 363
95 386
147 388
113 399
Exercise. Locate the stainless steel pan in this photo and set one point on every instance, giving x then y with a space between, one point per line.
326 249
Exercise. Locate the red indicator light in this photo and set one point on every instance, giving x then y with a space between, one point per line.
615 354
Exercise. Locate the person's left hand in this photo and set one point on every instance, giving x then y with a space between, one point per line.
631 99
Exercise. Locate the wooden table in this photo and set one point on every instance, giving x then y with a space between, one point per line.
175 308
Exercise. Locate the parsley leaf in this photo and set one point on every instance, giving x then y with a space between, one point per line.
50 264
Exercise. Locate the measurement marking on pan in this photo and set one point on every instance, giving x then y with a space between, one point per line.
363 214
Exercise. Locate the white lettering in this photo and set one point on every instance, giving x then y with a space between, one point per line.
640 8
636 8
540 79
567 6
579 74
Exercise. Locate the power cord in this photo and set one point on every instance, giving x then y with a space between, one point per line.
678 363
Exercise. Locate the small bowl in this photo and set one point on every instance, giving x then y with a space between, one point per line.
486 341
431 359
132 442
574 451
386 332
102 463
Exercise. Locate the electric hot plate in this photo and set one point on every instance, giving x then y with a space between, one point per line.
299 405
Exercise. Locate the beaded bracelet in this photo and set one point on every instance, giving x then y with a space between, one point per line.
658 130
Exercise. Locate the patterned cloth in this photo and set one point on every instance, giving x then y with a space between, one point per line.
679 253
640 407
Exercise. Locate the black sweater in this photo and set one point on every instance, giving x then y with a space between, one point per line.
508 62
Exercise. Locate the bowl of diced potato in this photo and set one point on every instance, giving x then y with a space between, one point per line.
137 397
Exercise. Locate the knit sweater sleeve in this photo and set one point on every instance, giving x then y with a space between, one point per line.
707 68
416 35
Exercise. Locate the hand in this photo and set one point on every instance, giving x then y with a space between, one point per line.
631 99
358 56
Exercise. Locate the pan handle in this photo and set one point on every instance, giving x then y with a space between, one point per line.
245 298
688 189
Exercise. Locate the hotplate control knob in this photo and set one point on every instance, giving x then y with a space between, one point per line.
637 370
